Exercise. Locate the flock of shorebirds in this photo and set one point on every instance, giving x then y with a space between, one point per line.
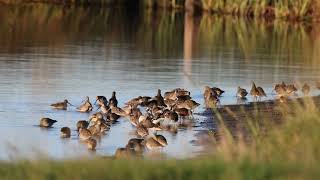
152 114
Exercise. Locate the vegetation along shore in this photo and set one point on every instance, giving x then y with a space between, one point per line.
291 10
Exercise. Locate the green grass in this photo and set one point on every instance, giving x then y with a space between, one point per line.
206 168
288 151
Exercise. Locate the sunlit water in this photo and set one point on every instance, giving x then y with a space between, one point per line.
77 53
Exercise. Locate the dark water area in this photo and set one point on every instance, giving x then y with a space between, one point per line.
49 53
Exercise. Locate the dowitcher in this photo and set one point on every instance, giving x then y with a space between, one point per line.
47 122
119 111
183 112
170 95
157 115
241 93
257 91
84 134
155 142
261 92
169 103
291 89
159 99
91 144
280 89
100 127
212 101
181 92
134 116
104 126
82 124
61 105
128 108
124 153
113 102
112 116
188 104
142 131
134 119
171 115
65 132
95 129
136 145
151 143
145 100
151 103
161 139
135 101
183 98
86 106
146 122
306 89
155 109
175 93
218 91
100 100
208 92
104 108
95 117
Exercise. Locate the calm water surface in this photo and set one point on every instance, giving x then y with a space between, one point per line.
48 54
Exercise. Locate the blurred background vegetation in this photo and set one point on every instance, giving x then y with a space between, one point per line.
162 32
293 10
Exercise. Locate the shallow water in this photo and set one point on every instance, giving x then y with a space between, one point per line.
48 54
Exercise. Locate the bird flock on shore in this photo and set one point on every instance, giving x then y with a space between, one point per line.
152 114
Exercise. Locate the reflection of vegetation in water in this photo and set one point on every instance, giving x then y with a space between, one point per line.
164 3
160 32
284 9
253 36
289 150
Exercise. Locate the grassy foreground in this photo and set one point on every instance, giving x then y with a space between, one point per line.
290 150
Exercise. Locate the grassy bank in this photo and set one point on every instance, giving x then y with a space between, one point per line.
290 150
208 168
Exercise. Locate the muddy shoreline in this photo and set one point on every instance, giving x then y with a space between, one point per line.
235 118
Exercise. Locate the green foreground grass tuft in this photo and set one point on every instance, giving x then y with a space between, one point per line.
288 151
202 168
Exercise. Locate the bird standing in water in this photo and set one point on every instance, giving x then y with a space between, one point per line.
159 99
86 106
65 132
47 122
306 89
113 102
61 105
257 91
241 93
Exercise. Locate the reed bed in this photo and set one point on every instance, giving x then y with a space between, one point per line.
295 10
292 10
